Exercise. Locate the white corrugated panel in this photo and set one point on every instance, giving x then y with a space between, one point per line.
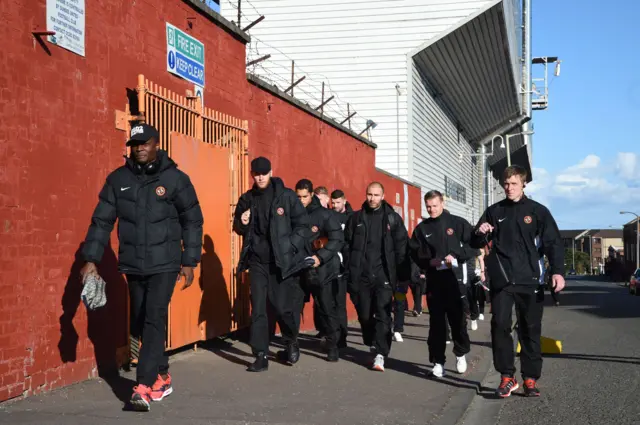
440 152
358 48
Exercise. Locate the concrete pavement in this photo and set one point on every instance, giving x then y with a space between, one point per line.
212 387
595 380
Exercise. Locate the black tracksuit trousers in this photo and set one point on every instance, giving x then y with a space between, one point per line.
416 290
149 306
529 302
374 305
328 318
268 285
446 302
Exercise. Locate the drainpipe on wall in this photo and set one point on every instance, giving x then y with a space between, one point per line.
398 124
526 73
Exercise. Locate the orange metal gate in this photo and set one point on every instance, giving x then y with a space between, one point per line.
211 148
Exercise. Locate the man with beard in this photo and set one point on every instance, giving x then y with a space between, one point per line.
275 230
343 211
160 233
376 241
322 279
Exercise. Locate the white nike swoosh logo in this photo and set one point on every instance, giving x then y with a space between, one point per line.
429 235
359 225
122 189
500 220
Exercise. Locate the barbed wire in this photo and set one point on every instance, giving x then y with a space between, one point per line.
308 91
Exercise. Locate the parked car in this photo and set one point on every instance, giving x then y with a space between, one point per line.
634 282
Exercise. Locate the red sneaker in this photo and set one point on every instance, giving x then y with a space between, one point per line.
161 388
507 386
141 398
531 388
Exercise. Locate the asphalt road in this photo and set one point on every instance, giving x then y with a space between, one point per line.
595 380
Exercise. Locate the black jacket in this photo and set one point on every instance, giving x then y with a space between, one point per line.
157 211
524 231
345 216
288 229
324 223
435 238
416 271
394 245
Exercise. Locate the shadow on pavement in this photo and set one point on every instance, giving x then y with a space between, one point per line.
595 358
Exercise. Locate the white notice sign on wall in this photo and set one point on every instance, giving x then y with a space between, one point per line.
66 18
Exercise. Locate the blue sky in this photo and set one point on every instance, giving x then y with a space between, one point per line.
586 148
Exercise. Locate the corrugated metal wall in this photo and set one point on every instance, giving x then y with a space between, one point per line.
439 151
359 48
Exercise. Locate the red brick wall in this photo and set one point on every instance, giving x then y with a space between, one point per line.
58 142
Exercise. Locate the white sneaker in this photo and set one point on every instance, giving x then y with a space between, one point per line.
397 337
481 317
461 364
474 325
438 370
378 363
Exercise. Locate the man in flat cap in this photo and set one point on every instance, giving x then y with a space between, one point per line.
275 229
160 233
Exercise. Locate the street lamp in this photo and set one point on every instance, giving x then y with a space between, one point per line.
637 236
509 136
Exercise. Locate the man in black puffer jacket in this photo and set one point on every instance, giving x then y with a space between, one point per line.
377 261
275 230
321 280
158 213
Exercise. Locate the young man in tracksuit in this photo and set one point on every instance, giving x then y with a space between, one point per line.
440 246
343 211
376 241
327 239
160 234
275 230
518 230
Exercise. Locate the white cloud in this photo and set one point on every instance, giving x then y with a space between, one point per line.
628 166
591 191
591 161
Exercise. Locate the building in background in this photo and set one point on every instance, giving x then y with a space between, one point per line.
599 244
431 81
630 244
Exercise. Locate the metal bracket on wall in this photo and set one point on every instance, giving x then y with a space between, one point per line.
124 118
37 35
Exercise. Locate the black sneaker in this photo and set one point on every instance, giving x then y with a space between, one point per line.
261 363
507 386
333 355
530 388
293 353
415 313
